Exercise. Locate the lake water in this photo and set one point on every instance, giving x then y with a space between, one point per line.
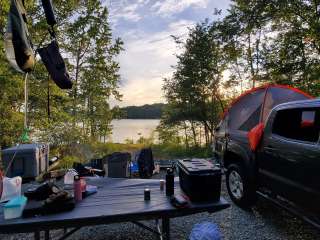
132 129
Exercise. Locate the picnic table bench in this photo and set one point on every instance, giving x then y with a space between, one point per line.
117 200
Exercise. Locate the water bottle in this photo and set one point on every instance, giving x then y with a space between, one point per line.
169 182
77 189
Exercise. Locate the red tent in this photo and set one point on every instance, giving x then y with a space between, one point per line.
254 106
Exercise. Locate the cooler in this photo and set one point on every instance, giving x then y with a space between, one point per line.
200 179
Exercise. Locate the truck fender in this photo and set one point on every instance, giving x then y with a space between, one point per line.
246 158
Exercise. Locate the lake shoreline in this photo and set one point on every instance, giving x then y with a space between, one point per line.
124 130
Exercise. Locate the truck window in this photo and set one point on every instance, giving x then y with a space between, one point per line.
298 124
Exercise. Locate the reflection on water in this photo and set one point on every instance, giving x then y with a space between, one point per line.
132 129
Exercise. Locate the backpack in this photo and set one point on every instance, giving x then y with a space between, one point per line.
145 163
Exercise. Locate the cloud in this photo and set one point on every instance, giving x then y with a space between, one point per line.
166 8
147 59
146 27
130 12
125 10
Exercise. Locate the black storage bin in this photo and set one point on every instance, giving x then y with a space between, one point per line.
97 163
200 179
117 164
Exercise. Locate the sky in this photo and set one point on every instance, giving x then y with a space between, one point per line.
146 27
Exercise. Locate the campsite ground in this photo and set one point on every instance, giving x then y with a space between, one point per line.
264 222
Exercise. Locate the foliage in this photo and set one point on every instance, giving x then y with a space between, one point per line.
171 151
273 41
152 111
192 93
160 151
59 116
102 149
67 162
257 42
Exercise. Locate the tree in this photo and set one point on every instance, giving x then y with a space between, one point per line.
273 41
11 91
85 40
96 73
192 92
293 56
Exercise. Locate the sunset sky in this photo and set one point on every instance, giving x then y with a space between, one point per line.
145 26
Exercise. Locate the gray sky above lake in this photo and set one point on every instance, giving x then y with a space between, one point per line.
145 26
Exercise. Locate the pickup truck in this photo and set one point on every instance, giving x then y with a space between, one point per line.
285 167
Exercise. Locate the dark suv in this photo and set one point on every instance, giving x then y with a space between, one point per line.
285 167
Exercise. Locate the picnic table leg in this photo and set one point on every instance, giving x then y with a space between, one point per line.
47 234
166 228
37 235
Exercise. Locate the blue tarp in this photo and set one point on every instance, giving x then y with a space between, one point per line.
205 231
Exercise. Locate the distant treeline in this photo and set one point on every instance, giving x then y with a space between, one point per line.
153 111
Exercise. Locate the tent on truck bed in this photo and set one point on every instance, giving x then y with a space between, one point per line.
253 107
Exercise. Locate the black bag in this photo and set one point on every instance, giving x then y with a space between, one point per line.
145 163
48 11
55 65
17 40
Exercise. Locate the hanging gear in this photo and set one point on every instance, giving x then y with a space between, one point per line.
55 65
16 39
48 11
50 54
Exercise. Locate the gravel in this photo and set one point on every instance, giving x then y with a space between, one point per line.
264 221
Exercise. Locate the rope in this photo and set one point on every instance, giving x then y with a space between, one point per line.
24 137
11 160
26 101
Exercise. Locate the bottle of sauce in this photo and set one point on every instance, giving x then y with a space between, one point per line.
169 182
77 188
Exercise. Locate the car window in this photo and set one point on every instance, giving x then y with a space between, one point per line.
298 124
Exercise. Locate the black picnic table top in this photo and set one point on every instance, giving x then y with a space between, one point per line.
117 200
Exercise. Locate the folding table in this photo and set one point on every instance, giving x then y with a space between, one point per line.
117 200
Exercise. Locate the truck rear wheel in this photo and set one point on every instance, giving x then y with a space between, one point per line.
240 190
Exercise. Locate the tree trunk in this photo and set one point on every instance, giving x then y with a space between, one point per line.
186 134
75 91
250 61
194 133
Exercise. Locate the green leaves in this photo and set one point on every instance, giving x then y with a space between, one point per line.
255 43
192 92
55 115
274 41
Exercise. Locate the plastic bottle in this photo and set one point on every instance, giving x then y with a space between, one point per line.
69 176
169 182
77 189
83 184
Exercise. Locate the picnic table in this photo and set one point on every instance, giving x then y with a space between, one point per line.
117 200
